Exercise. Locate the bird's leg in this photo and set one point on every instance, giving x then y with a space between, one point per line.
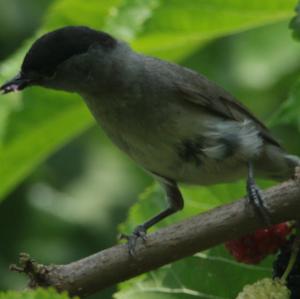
175 202
255 198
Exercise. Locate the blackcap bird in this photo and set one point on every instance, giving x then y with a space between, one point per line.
172 121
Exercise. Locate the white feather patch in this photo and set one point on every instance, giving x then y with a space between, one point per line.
242 136
215 152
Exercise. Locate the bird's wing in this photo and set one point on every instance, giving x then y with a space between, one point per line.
208 95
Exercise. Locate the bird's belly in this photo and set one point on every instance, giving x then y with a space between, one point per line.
163 160
172 145
162 156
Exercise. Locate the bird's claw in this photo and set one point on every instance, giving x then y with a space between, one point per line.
256 200
139 232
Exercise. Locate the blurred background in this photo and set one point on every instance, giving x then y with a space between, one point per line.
71 203
78 196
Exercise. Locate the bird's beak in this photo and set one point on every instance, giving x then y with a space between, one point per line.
16 84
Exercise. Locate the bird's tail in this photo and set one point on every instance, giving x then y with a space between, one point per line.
276 164
292 162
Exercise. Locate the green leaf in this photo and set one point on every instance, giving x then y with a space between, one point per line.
79 12
209 275
36 123
212 274
196 200
127 20
40 125
178 27
289 112
295 23
35 294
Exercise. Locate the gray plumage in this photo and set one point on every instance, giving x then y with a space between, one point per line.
174 122
171 120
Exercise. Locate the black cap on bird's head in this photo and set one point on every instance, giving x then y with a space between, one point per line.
51 50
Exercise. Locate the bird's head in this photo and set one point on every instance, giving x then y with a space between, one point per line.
61 59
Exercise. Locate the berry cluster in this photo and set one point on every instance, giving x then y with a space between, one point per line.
280 265
253 248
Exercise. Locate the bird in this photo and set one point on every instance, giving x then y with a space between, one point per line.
178 125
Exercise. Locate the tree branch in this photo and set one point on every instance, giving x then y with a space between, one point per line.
113 265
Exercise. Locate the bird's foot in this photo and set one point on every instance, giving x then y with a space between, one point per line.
140 232
256 200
